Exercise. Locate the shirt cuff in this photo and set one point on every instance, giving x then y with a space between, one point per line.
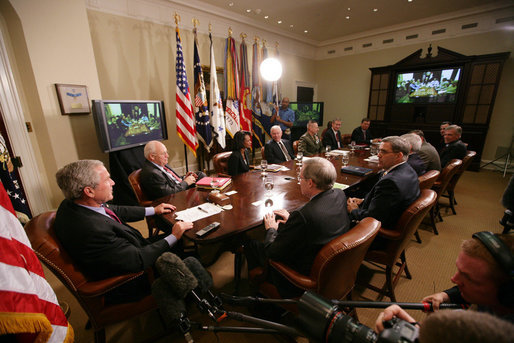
149 211
171 240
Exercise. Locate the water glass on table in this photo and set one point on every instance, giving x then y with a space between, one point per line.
268 185
345 159
327 150
264 166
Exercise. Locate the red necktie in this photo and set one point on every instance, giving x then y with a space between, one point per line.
112 214
172 173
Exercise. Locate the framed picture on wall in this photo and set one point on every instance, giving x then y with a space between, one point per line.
73 99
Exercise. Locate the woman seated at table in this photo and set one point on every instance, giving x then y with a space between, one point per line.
239 161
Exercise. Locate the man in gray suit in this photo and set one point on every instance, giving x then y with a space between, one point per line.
310 144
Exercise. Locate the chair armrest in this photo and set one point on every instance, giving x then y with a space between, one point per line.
389 234
224 175
100 287
297 279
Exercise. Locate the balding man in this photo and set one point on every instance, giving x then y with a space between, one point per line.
396 189
295 238
278 150
157 178
310 144
454 148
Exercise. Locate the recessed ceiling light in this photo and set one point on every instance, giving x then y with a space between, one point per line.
231 4
248 10
291 25
349 9
347 17
279 22
266 16
409 0
375 10
305 31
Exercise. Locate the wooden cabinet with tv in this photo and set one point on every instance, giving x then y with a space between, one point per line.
421 92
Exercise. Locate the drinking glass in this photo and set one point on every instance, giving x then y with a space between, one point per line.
327 150
268 185
298 170
373 150
214 183
345 159
299 156
352 146
264 166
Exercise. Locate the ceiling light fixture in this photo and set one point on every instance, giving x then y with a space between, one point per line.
248 10
266 16
231 4
347 17
375 10
279 22
349 9
291 25
305 31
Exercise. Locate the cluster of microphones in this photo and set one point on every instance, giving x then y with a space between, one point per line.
319 319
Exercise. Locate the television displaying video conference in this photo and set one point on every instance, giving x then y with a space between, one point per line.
427 86
305 111
124 124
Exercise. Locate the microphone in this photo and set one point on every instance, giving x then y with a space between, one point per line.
204 280
175 273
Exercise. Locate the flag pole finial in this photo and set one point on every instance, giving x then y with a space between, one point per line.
210 27
176 16
230 31
195 22
256 39
263 43
276 44
243 36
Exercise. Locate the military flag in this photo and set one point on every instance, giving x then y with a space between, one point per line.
201 107
216 106
231 87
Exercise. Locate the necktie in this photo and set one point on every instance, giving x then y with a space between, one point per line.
172 174
112 214
284 150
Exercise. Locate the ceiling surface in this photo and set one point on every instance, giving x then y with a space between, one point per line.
327 20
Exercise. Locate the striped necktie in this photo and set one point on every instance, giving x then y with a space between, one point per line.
284 150
112 214
172 173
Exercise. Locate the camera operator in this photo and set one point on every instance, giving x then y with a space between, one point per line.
484 277
454 326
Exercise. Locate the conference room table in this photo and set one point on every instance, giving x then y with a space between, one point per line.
250 202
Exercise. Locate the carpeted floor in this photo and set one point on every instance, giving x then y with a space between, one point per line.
431 263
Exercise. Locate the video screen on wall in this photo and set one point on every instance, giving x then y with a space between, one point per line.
125 124
427 86
305 111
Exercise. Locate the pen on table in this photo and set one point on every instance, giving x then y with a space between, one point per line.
201 209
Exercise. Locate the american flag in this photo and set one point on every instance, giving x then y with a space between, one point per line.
186 129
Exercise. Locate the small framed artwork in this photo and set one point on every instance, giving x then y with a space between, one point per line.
73 99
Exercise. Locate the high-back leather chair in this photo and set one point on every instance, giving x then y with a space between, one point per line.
220 162
90 294
395 241
466 161
135 182
295 147
335 267
346 139
426 181
440 186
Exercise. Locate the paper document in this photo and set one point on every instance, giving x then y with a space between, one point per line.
340 186
198 212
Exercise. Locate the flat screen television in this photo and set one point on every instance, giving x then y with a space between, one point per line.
305 111
427 86
123 124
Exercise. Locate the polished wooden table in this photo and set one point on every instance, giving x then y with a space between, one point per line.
245 215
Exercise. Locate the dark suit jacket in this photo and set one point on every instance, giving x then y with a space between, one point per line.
274 153
236 163
156 183
390 196
101 246
451 151
330 139
358 136
307 230
417 164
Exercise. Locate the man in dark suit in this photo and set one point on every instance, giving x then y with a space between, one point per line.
295 238
332 136
454 148
95 234
396 189
361 134
414 159
157 178
278 150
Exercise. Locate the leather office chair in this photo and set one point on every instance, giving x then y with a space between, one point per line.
135 182
466 161
440 186
396 241
220 162
346 139
90 294
335 267
295 147
426 181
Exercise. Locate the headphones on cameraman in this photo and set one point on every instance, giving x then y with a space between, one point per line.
501 253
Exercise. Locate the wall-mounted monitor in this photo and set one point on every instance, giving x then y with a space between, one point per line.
123 124
427 86
305 111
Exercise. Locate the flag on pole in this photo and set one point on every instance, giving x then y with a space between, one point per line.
231 87
29 307
245 95
203 127
186 129
216 106
261 110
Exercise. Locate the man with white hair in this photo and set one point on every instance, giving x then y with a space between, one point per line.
428 153
396 189
157 178
278 150
295 238
414 159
